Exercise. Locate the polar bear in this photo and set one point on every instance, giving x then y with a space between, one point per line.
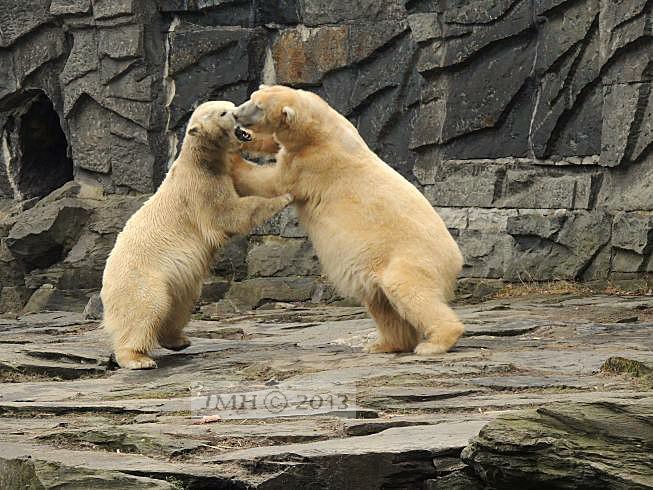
378 239
155 270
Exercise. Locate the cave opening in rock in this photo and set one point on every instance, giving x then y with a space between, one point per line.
44 164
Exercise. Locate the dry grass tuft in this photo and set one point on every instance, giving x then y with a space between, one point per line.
559 288
548 288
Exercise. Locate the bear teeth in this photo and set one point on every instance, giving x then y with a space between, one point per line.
242 134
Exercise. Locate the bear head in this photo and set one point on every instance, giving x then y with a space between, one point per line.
212 124
277 109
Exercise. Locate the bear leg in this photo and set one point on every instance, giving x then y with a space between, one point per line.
445 335
395 333
134 325
417 298
170 335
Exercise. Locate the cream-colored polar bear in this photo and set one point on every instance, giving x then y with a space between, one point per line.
155 270
378 239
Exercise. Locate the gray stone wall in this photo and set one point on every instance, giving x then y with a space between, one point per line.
527 123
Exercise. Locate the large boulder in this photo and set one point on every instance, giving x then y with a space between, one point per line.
252 293
45 234
567 445
276 256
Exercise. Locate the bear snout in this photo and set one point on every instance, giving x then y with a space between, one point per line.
236 114
247 114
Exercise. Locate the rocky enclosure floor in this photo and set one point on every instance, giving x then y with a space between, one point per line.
286 398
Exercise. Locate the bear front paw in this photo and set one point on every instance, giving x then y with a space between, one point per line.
287 199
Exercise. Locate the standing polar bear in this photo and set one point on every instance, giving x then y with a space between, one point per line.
155 270
378 239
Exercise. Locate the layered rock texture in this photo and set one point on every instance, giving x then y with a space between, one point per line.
527 124
541 393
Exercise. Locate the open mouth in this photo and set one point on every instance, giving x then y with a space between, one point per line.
242 134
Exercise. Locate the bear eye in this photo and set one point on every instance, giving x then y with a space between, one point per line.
224 113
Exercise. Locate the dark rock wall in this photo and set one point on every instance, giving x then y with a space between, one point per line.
528 124
101 65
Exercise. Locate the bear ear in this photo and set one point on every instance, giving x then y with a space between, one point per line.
289 114
195 129
263 86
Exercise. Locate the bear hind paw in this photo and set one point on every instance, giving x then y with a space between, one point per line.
134 360
176 344
382 348
426 348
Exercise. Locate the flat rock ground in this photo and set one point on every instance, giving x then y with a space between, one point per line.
286 398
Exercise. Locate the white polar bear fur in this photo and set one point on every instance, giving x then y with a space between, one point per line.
378 239
155 270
